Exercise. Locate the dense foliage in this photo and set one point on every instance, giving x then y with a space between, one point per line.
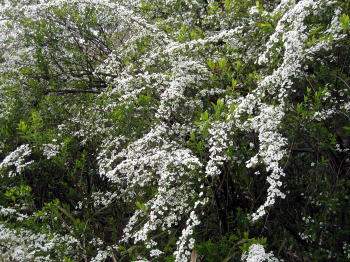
178 130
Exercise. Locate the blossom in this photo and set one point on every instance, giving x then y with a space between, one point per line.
256 253
17 159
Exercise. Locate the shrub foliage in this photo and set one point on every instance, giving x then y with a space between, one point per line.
180 130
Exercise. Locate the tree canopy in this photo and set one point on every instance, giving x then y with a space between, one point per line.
178 130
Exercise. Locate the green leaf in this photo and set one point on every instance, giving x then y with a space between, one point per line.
211 64
345 22
234 83
265 25
22 127
300 108
223 63
141 206
205 116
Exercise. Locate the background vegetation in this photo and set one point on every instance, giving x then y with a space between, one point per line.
174 130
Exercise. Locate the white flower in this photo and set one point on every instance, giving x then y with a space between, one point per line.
256 253
17 159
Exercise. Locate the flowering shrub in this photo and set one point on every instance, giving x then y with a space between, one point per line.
174 130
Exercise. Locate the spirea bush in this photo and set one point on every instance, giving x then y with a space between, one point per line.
195 130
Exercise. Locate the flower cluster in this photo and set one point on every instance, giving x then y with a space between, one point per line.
29 246
170 104
17 159
256 253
